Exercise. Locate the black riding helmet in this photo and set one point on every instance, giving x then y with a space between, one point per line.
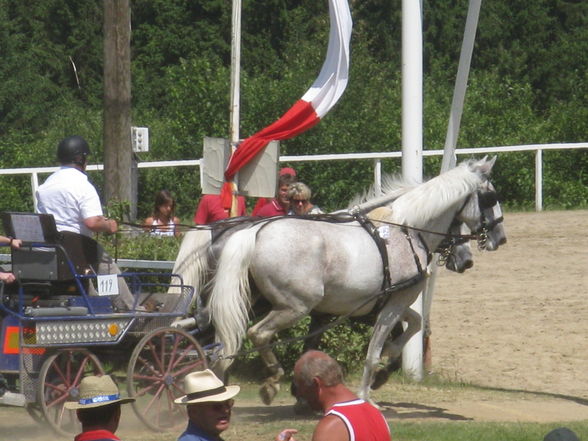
73 150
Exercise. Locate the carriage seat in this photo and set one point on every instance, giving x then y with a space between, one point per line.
51 269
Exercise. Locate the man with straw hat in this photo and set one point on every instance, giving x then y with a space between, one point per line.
209 403
98 408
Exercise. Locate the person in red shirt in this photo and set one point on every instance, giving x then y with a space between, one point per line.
319 380
281 204
210 209
261 202
98 408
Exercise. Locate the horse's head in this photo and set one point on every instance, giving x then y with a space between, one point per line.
457 254
481 211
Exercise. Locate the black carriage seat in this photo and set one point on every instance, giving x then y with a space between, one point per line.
46 271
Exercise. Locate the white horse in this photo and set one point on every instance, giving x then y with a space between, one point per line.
302 265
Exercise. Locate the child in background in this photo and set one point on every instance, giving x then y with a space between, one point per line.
163 221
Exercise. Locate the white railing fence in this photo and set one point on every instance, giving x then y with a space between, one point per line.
376 157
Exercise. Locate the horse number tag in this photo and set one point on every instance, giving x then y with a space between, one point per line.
384 232
107 285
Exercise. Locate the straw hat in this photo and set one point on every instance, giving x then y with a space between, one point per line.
204 386
97 391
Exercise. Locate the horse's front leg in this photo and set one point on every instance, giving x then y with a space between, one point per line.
390 315
381 331
261 335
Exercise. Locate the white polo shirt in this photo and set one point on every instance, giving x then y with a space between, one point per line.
70 198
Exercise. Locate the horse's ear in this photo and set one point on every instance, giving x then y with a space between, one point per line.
485 165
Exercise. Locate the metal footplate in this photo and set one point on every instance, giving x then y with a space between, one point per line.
12 399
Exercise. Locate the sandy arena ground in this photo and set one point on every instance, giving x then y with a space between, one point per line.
518 318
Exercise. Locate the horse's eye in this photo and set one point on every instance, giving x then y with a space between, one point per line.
488 199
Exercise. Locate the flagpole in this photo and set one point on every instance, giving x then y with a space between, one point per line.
235 85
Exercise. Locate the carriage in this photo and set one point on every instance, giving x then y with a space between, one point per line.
59 323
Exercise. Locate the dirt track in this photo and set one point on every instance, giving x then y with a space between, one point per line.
518 319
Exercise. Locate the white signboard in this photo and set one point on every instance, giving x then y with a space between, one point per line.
107 285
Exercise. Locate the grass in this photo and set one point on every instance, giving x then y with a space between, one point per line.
472 431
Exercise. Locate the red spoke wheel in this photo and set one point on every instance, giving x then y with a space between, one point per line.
155 376
59 380
34 410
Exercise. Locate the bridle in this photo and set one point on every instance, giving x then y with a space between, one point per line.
452 239
487 200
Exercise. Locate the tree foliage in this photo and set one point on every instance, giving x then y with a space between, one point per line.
528 85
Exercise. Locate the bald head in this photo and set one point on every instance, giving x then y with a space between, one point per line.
317 364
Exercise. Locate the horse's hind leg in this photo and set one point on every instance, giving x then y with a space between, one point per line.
261 335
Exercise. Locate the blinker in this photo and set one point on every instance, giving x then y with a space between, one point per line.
487 199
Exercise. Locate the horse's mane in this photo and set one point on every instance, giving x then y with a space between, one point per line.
390 184
429 200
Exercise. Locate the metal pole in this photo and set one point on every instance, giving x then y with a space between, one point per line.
539 180
461 83
235 73
412 143
235 91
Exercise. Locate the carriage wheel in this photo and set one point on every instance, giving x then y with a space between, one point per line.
34 410
59 379
158 365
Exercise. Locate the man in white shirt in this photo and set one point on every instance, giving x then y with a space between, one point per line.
74 203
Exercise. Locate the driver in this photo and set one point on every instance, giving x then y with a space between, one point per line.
74 203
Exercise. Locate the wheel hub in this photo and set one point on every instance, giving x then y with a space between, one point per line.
74 394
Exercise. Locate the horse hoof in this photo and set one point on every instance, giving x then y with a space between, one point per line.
380 378
268 392
301 407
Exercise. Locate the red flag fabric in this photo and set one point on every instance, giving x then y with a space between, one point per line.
314 104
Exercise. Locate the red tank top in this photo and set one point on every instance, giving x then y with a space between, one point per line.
363 421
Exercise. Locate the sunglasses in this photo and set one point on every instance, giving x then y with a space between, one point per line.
299 201
222 405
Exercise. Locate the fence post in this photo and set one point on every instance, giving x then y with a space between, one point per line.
539 180
34 186
378 177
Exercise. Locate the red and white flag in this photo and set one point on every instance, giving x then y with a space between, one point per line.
314 104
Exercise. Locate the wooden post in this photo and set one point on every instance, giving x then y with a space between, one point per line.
118 155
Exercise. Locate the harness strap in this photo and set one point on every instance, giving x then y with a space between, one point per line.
387 285
375 235
415 257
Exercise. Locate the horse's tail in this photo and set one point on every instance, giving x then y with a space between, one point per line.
230 298
192 261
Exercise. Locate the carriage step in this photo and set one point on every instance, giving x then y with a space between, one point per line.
12 399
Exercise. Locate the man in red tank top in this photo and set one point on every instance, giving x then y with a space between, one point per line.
319 380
